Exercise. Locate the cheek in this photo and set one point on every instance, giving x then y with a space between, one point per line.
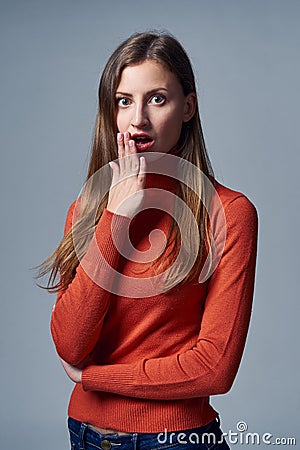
172 116
121 121
170 128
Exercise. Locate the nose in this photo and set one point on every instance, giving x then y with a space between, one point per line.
140 117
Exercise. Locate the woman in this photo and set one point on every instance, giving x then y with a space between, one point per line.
152 310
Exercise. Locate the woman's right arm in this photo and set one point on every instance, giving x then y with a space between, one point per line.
80 310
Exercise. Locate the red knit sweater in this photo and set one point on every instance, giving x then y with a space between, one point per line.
155 361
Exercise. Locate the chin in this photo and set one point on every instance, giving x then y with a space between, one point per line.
154 156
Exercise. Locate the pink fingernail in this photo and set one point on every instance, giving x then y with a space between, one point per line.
119 136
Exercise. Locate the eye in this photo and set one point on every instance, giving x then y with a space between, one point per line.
157 99
123 101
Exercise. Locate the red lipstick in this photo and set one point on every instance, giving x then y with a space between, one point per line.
142 141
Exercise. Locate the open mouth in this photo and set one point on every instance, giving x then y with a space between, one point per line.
142 142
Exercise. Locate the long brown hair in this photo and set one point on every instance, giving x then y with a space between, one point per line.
166 50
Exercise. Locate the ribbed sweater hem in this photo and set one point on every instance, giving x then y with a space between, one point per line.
141 416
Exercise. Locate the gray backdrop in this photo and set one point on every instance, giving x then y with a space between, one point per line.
246 57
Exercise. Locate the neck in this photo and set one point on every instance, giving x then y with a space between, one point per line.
161 172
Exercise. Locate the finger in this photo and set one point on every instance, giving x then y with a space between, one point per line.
121 150
134 161
126 142
142 172
64 364
120 142
126 166
115 171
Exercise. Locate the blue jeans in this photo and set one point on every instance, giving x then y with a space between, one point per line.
208 437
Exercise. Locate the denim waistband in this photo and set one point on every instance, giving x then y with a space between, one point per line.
81 428
86 433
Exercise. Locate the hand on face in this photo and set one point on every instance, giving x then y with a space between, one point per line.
126 193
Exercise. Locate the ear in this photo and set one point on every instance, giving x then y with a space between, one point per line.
189 106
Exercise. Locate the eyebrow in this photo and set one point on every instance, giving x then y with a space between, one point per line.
153 91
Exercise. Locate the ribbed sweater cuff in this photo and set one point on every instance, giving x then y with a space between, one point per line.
99 377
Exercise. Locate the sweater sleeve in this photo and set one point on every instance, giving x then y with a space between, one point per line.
79 312
210 366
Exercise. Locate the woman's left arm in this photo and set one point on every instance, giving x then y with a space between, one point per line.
211 365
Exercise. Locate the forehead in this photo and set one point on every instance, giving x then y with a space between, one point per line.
147 75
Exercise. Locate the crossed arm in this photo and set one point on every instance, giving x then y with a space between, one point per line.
210 366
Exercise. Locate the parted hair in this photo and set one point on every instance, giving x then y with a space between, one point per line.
162 48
